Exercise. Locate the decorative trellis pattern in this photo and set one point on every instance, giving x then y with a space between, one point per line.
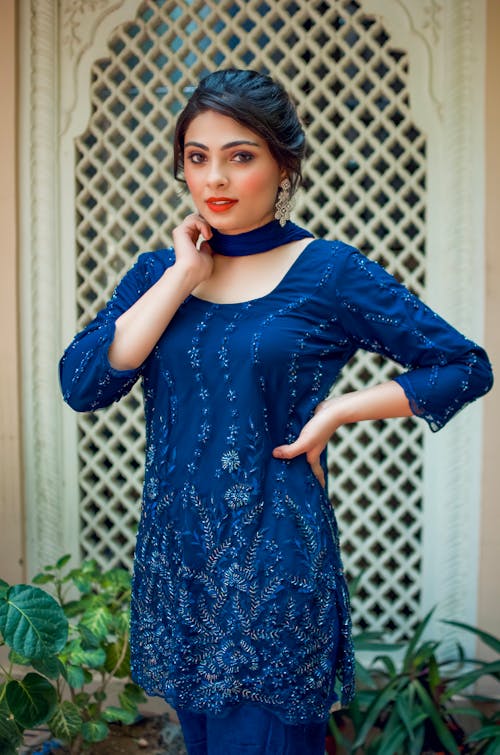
364 183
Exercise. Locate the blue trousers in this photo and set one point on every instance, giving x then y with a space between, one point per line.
249 730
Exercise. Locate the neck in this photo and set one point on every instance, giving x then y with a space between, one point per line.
256 241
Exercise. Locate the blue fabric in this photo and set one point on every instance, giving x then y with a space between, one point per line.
249 730
256 241
239 592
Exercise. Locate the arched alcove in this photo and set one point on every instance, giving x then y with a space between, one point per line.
391 121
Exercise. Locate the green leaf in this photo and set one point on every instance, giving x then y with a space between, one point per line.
7 748
417 746
85 576
18 659
422 657
459 710
10 733
486 732
83 583
114 713
4 589
74 675
92 657
373 642
94 731
82 700
131 696
383 699
98 619
433 713
61 563
411 647
116 579
88 638
404 710
388 663
488 639
363 676
50 666
337 734
433 674
122 622
32 622
393 736
43 579
66 723
113 654
76 607
470 677
31 700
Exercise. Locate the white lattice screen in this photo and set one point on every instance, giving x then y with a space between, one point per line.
364 183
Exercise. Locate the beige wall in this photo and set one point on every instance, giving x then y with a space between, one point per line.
489 590
11 529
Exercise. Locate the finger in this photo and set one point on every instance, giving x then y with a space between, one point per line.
317 470
205 248
203 226
194 225
206 231
291 450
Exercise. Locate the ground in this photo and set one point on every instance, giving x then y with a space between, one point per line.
152 735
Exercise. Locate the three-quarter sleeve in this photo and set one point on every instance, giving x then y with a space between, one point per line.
444 370
88 381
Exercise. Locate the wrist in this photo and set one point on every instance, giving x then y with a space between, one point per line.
185 275
339 410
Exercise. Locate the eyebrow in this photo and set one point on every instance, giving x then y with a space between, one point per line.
229 145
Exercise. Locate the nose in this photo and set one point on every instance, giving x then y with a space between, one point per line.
216 175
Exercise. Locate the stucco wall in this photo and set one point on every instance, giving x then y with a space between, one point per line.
11 529
489 567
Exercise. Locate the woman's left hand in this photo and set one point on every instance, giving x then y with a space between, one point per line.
312 439
377 402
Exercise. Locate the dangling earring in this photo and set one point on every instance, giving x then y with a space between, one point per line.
283 206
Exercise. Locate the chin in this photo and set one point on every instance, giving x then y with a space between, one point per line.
233 227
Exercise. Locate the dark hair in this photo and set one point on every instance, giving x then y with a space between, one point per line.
257 102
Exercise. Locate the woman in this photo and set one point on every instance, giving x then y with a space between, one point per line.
240 612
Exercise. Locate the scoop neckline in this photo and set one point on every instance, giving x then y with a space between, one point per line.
274 290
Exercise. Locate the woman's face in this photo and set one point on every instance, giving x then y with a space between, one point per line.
230 172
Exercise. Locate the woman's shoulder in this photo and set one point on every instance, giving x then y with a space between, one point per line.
330 254
156 261
149 266
345 260
334 249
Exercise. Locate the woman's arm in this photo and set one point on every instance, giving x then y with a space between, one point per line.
379 402
138 329
103 361
445 371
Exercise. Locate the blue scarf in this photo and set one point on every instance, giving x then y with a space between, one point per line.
256 241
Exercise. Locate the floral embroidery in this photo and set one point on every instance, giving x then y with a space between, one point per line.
230 460
238 495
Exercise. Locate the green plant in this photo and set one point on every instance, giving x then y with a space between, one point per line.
485 740
77 644
410 705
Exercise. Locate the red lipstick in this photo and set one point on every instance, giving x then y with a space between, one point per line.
220 204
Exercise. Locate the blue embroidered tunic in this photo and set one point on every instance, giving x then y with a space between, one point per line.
239 592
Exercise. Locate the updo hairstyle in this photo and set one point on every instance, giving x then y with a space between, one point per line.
257 102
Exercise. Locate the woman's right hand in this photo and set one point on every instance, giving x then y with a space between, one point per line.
193 258
138 329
